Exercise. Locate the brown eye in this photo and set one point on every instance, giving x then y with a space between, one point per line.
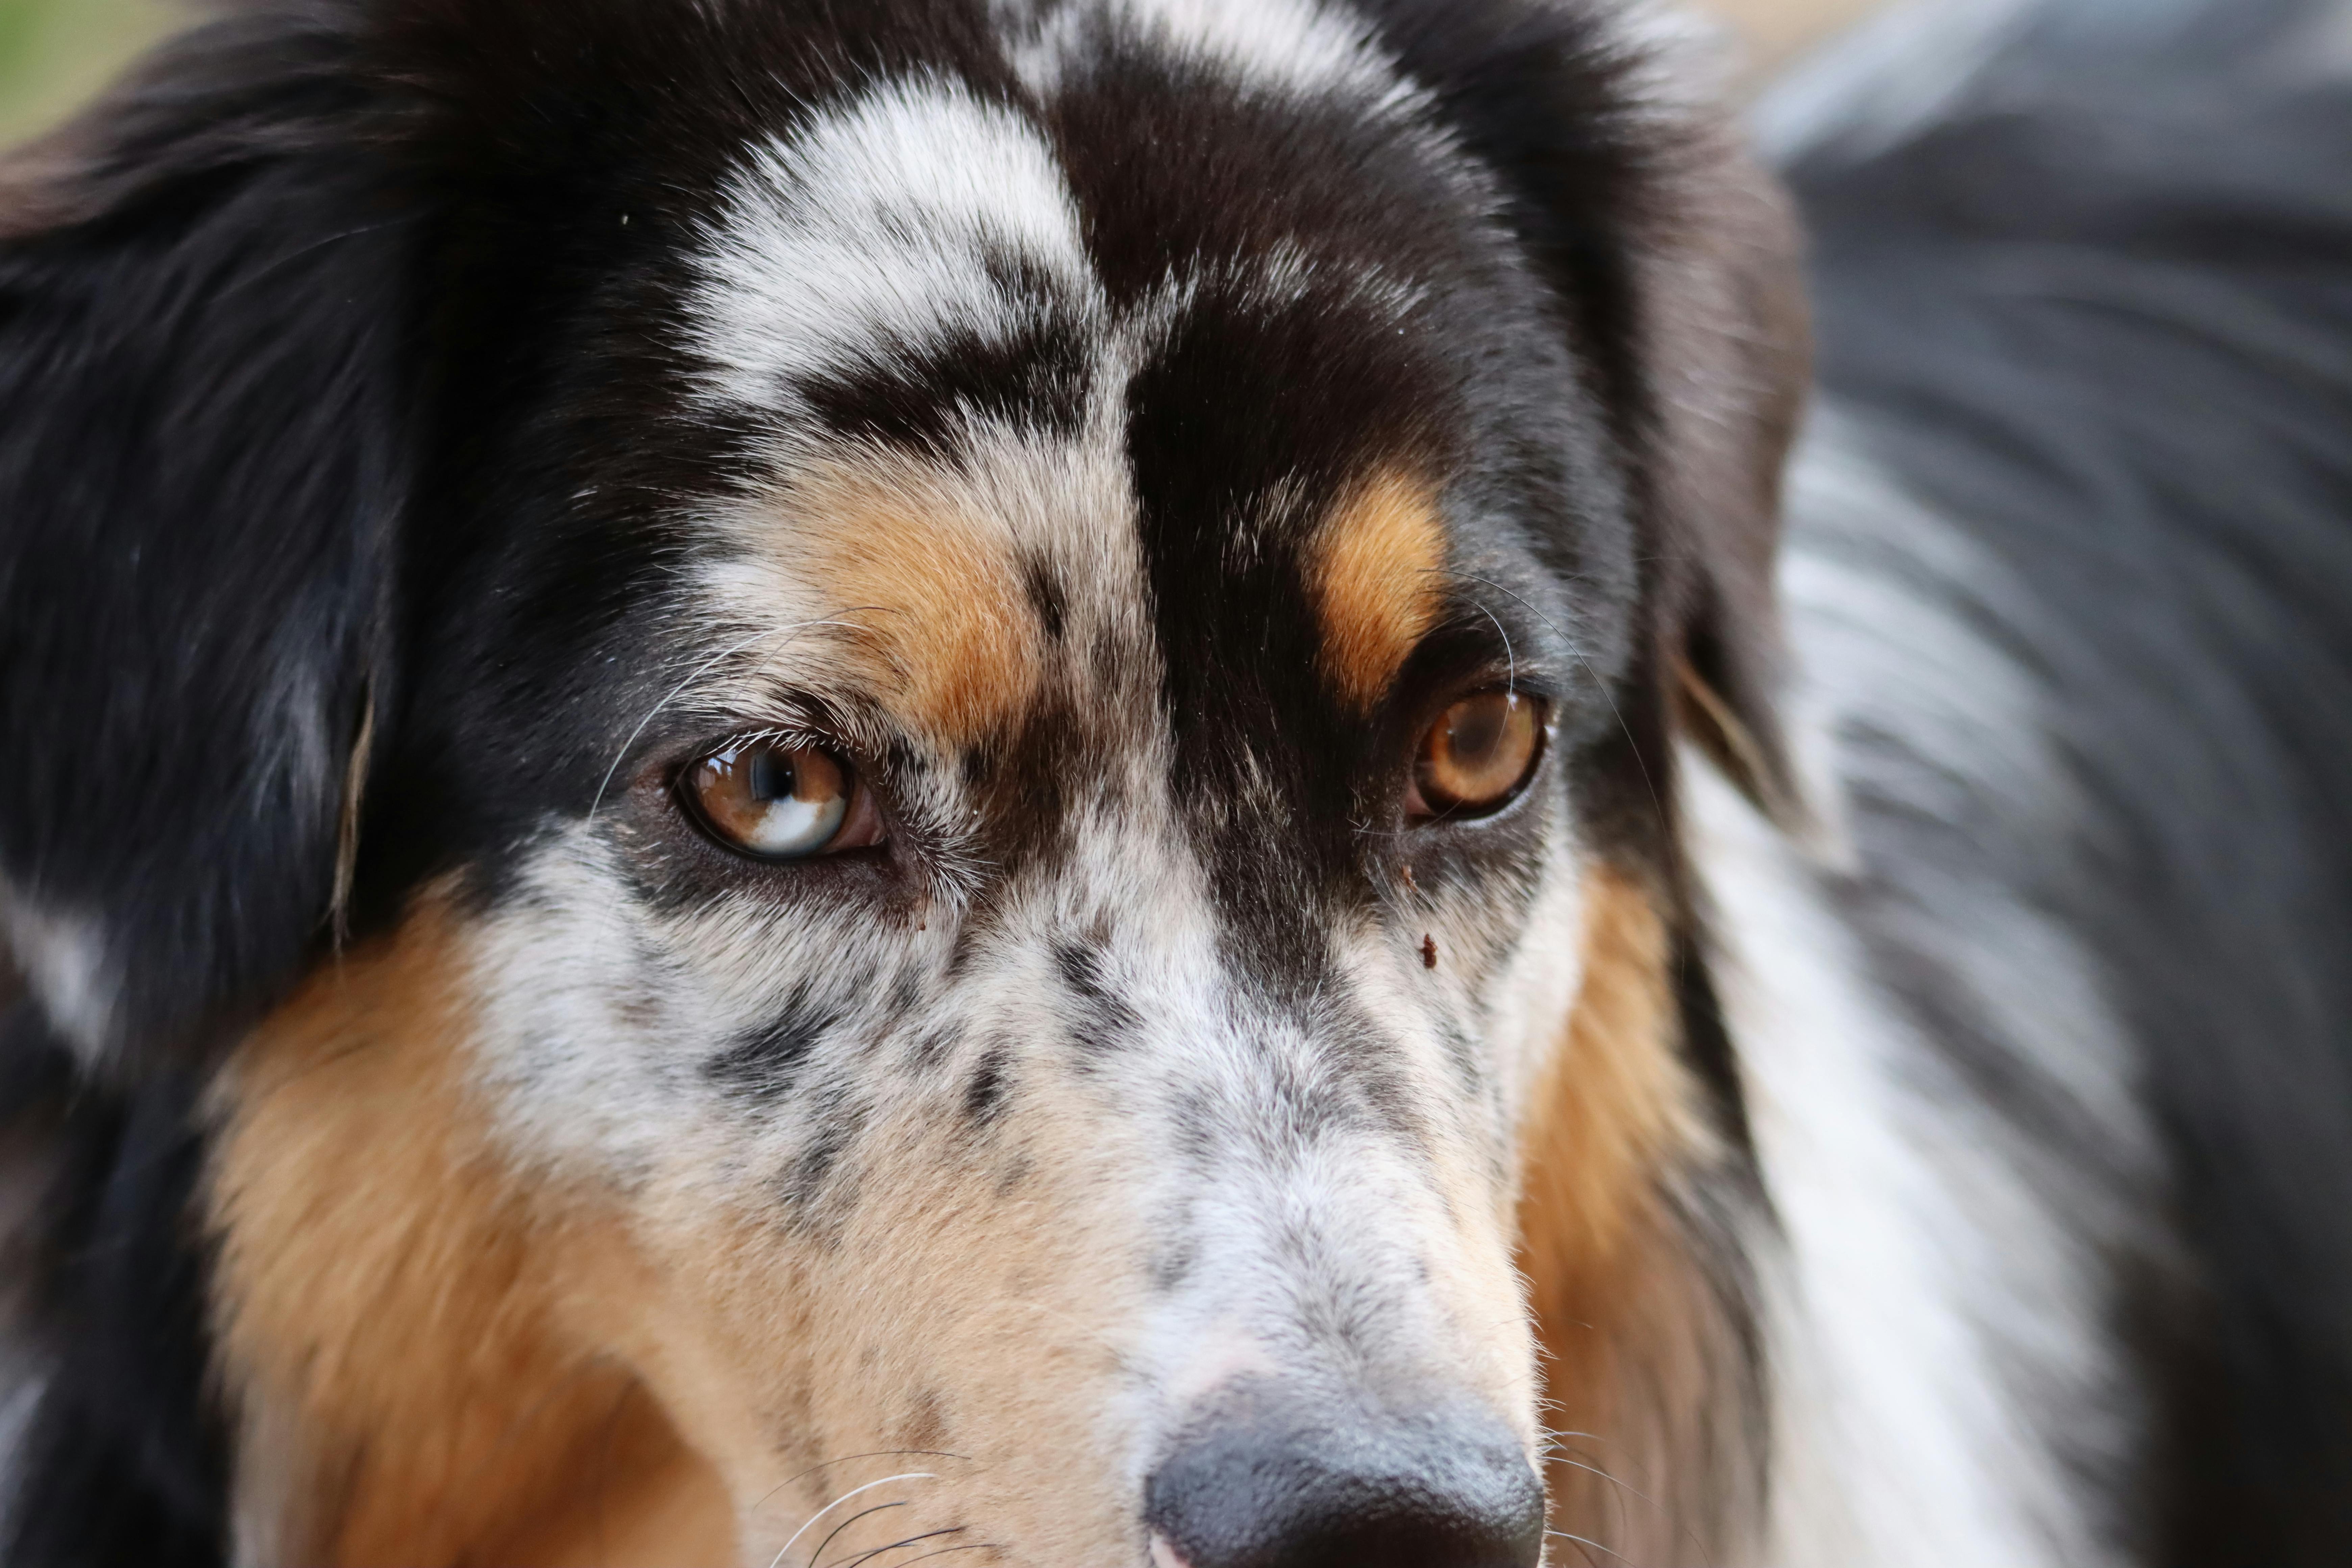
1477 756
780 802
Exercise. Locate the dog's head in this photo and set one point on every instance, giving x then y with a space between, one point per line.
906 746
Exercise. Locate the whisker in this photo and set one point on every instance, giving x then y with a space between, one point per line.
1597 1471
698 673
777 1561
836 619
846 1459
942 1551
818 1550
1588 1547
1510 659
1679 1524
896 1545
1561 1457
1580 1547
293 256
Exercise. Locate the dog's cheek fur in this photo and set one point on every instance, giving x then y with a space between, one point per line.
467 1375
961 1329
392 1301
1637 1296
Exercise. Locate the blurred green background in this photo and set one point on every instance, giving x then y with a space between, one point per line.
56 53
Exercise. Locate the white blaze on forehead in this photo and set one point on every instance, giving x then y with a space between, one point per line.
916 220
1292 47
873 230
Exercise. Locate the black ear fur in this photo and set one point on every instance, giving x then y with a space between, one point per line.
1677 263
200 464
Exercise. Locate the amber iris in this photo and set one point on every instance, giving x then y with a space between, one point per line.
1478 755
774 800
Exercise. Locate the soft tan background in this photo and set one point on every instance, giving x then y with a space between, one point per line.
54 52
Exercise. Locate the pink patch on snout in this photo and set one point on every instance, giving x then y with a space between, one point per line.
1164 1556
1221 1356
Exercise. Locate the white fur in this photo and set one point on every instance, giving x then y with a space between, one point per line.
1937 1317
1298 1233
1295 48
1895 1443
63 957
868 230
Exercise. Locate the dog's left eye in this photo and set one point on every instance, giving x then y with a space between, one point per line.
1478 757
778 802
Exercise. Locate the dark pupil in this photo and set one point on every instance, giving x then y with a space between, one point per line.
1478 727
771 774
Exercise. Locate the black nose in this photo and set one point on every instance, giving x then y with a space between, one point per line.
1254 1489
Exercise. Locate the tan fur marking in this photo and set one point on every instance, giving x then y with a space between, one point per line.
644 1500
931 587
1615 1100
1633 1341
1375 569
386 1297
1708 719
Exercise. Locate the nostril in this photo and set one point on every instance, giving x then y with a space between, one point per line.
1449 1489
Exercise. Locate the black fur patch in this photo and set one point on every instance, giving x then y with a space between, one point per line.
927 398
1103 1017
125 1458
1048 597
990 1083
762 1063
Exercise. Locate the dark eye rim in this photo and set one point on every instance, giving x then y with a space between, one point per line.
681 794
1546 712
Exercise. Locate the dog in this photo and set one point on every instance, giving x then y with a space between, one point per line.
1042 782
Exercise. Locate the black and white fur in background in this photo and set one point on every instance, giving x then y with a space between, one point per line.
2069 576
2046 1032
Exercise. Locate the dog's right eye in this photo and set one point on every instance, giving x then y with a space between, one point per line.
775 800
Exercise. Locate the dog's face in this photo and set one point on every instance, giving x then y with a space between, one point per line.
1022 669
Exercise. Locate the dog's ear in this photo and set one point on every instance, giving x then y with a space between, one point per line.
1677 264
1721 312
200 465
